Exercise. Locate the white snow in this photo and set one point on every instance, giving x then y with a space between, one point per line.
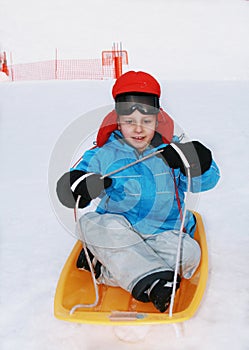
4 77
210 103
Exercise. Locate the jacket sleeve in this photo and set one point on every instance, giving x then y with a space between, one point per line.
204 182
89 162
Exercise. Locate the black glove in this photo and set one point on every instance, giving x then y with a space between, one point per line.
198 156
89 187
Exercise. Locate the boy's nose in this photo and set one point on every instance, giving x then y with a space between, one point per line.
138 127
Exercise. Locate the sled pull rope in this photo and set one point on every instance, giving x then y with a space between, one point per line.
187 166
75 307
133 163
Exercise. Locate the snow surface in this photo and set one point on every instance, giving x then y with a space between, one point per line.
199 52
34 245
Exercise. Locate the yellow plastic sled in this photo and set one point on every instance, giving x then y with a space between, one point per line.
116 306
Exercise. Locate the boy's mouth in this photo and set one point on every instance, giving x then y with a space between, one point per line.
138 138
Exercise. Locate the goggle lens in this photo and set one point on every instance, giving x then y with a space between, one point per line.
126 104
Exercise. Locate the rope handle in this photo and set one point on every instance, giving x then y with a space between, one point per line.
95 303
183 217
132 163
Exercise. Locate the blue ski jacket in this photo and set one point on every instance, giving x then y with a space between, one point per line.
144 193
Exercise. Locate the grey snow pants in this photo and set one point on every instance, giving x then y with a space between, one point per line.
128 256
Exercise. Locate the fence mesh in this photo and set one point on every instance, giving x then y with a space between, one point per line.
63 70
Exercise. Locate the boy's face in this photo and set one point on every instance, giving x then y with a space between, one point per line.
138 129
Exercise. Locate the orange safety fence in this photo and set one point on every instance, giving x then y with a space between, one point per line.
109 66
62 70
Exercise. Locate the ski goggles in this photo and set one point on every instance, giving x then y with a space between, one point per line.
147 104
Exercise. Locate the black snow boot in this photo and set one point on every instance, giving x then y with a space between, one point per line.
82 263
160 293
156 288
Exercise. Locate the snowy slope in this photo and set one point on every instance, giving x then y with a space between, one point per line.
34 244
174 39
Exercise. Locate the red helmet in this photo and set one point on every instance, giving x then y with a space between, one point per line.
136 82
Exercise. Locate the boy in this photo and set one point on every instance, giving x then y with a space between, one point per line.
132 236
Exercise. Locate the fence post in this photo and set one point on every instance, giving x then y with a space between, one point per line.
56 64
